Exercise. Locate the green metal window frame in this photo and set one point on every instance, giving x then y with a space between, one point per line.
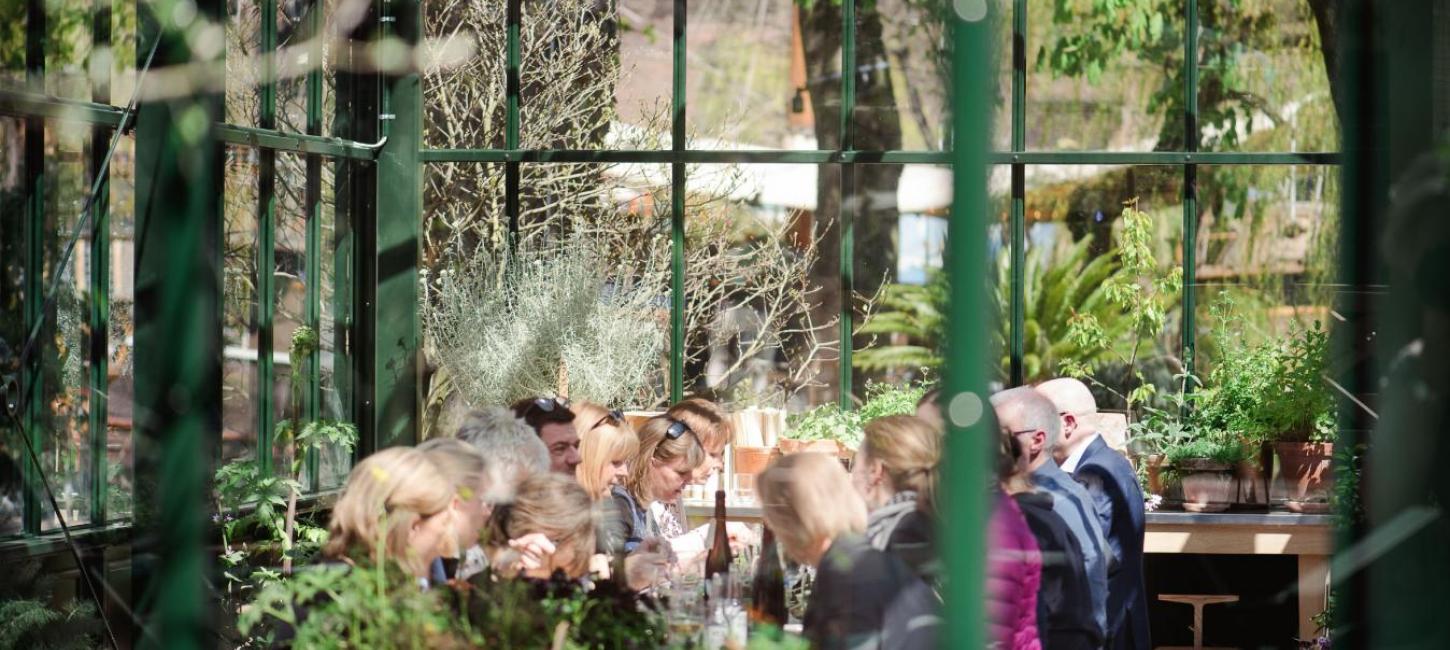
38 110
372 289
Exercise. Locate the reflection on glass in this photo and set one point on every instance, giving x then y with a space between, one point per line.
1104 76
334 462
764 75
239 299
902 68
900 238
763 284
464 104
244 71
67 48
120 456
1075 216
1263 84
12 313
1268 241
65 337
289 300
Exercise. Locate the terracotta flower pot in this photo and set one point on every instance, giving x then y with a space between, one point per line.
788 446
1251 478
1305 475
1208 486
752 460
1154 466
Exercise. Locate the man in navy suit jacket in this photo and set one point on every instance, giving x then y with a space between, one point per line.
1118 500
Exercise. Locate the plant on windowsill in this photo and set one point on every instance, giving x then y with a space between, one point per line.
1200 458
829 429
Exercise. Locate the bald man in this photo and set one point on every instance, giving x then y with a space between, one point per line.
1118 501
1030 417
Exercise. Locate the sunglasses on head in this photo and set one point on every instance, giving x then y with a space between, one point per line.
613 414
677 429
548 404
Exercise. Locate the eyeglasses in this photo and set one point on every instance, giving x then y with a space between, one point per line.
1014 434
615 414
677 429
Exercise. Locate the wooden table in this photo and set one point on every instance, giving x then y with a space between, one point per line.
1307 537
1310 538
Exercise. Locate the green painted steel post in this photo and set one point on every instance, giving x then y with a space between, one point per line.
100 275
396 348
964 399
849 202
1018 216
1190 186
33 375
178 339
312 396
514 19
266 240
677 208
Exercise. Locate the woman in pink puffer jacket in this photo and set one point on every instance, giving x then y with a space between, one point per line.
1014 565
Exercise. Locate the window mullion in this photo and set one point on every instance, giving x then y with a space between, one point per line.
100 274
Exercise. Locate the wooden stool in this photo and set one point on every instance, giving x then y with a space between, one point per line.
1198 602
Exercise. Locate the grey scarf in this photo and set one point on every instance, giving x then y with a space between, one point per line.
883 521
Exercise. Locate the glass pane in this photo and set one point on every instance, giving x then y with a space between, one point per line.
763 284
67 47
123 52
12 309
65 336
239 311
903 67
900 237
244 72
464 101
596 75
334 462
1065 272
1002 115
121 392
293 63
1263 84
1268 242
764 74
289 300
1104 75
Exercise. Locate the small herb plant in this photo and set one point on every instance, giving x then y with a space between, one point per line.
1184 431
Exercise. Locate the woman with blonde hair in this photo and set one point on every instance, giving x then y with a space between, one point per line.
713 428
606 444
464 466
863 597
549 527
397 505
668 455
896 473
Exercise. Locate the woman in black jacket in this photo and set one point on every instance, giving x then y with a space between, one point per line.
1064 604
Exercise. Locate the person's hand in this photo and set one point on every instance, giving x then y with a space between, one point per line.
534 550
741 536
645 569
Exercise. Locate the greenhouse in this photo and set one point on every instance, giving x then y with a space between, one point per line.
656 323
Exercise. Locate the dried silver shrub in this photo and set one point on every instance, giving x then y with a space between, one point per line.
543 321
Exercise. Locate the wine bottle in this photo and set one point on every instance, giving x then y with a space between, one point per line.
718 561
767 588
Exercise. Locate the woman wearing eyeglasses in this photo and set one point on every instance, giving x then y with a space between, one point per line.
668 454
606 444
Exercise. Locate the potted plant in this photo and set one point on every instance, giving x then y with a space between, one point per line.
824 429
1205 468
1298 413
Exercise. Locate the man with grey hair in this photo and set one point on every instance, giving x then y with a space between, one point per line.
514 452
1028 416
1112 485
